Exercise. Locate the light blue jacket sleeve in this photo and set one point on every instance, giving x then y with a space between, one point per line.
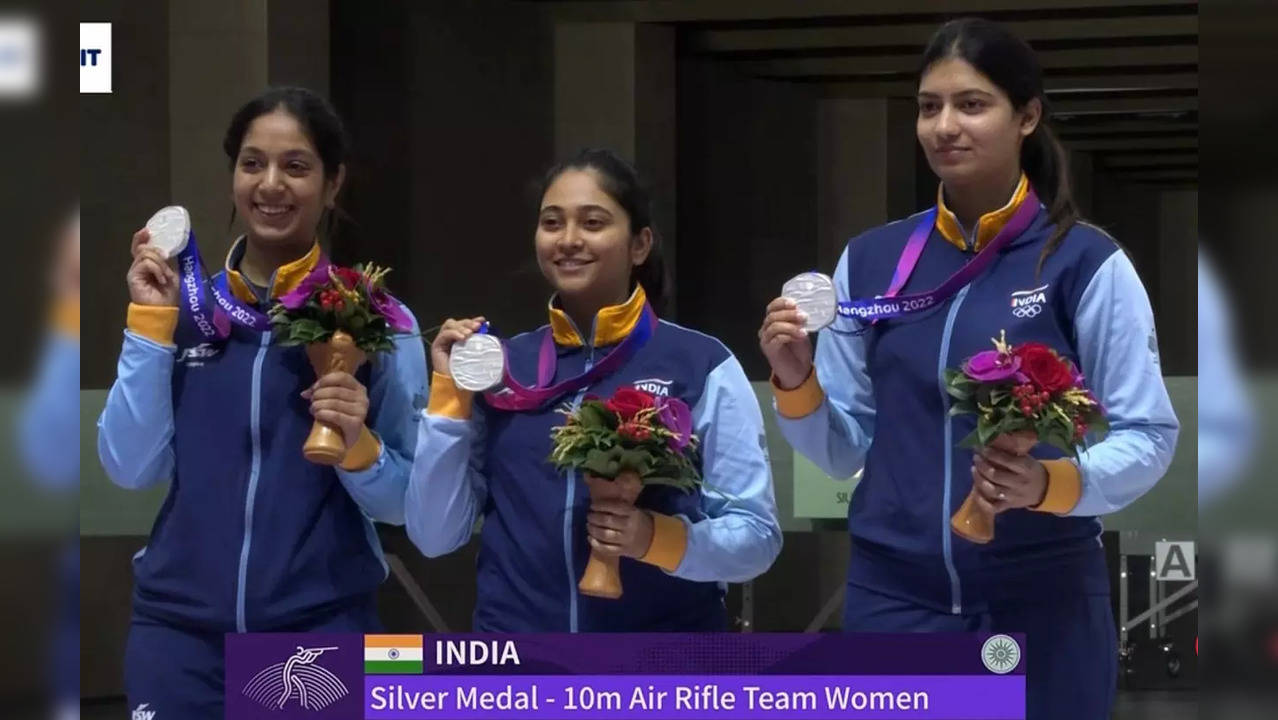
135 430
1226 422
835 431
447 486
396 392
49 431
740 536
1118 349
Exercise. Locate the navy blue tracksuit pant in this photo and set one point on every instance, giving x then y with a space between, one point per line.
1071 648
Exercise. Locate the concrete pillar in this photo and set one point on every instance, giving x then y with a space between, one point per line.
614 87
865 169
217 60
1177 272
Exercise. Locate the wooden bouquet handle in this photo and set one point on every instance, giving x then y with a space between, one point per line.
972 522
326 445
603 575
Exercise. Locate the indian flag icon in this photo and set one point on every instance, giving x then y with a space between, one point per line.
392 654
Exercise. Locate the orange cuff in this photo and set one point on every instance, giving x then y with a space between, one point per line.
363 453
154 322
66 317
801 401
447 399
669 542
1064 487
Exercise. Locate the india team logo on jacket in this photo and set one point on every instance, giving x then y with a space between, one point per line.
654 386
1029 303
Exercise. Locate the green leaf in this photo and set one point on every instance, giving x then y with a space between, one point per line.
594 414
603 463
984 432
971 440
640 461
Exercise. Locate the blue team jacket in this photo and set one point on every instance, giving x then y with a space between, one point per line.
473 461
877 401
251 536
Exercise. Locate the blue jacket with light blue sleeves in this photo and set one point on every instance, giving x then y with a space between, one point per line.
251 536
878 402
473 461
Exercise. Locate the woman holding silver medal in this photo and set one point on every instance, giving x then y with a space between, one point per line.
252 536
486 454
919 296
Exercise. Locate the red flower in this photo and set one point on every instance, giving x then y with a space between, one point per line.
1045 368
350 278
626 402
634 431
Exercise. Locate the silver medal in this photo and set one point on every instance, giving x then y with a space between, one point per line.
815 296
477 363
169 228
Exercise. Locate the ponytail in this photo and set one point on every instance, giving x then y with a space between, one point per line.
652 275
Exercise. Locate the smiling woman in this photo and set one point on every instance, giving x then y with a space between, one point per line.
252 536
596 246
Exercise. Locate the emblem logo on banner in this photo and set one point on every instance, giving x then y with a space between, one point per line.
312 675
300 679
1001 654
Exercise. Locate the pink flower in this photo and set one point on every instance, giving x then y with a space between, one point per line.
992 366
389 308
675 415
300 294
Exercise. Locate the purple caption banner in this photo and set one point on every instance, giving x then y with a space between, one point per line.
322 676
620 697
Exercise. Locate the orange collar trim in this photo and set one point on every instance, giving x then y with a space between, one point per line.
283 281
989 224
612 324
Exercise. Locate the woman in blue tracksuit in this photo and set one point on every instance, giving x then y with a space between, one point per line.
874 397
595 245
252 537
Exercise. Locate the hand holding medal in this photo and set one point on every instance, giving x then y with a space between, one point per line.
152 279
466 352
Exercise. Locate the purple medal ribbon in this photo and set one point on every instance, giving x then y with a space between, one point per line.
213 321
515 397
888 305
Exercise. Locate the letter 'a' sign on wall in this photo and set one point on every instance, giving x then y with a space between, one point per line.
1174 561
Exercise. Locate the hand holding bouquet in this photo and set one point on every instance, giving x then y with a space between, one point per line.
1022 395
341 315
621 444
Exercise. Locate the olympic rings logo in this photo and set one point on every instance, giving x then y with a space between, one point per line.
1027 311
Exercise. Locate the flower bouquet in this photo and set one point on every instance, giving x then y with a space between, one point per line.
341 315
1022 395
621 444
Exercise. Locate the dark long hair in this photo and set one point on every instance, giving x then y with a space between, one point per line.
622 183
1011 65
321 123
